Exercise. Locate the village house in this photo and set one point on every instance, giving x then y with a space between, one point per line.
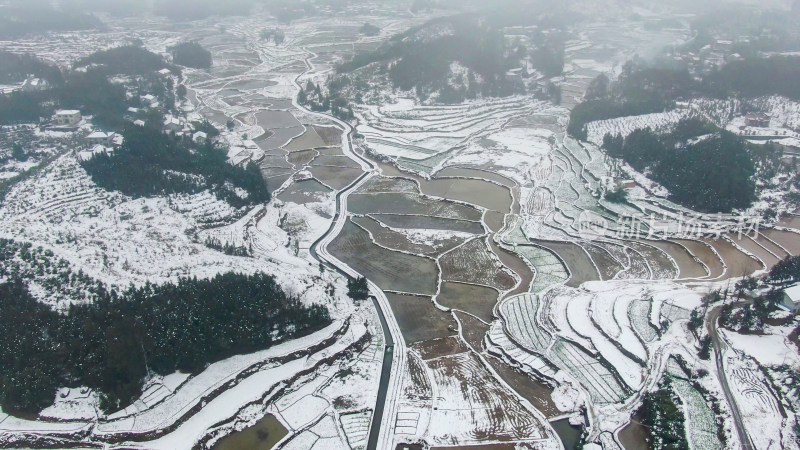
757 120
791 298
67 118
200 136
173 124
34 85
101 138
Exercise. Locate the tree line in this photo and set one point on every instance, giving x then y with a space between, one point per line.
114 343
642 89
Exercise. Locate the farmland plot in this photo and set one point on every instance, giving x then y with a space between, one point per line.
477 192
608 265
389 270
760 409
472 407
659 263
308 140
580 265
306 191
405 203
639 313
476 300
421 242
420 222
336 177
701 427
419 319
688 266
384 184
519 314
474 263
549 268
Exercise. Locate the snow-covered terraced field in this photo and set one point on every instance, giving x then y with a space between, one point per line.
604 337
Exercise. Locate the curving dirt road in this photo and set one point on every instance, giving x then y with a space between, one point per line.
712 320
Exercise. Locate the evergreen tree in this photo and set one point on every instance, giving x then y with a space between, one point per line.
358 289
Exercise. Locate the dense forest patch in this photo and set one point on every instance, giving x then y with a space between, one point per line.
702 167
126 60
88 89
447 60
111 345
191 54
153 163
15 68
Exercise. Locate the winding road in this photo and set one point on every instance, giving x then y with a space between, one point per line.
719 345
381 431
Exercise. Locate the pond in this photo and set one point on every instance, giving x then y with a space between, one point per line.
634 435
262 436
570 435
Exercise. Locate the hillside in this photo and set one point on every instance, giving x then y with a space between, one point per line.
447 60
111 345
702 167
152 163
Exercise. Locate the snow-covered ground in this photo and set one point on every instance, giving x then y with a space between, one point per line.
599 337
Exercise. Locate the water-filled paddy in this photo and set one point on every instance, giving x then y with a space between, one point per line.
283 125
419 319
688 267
786 239
634 435
577 260
309 139
494 220
517 265
751 246
738 264
336 177
476 300
336 161
451 172
389 270
706 255
476 192
251 84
